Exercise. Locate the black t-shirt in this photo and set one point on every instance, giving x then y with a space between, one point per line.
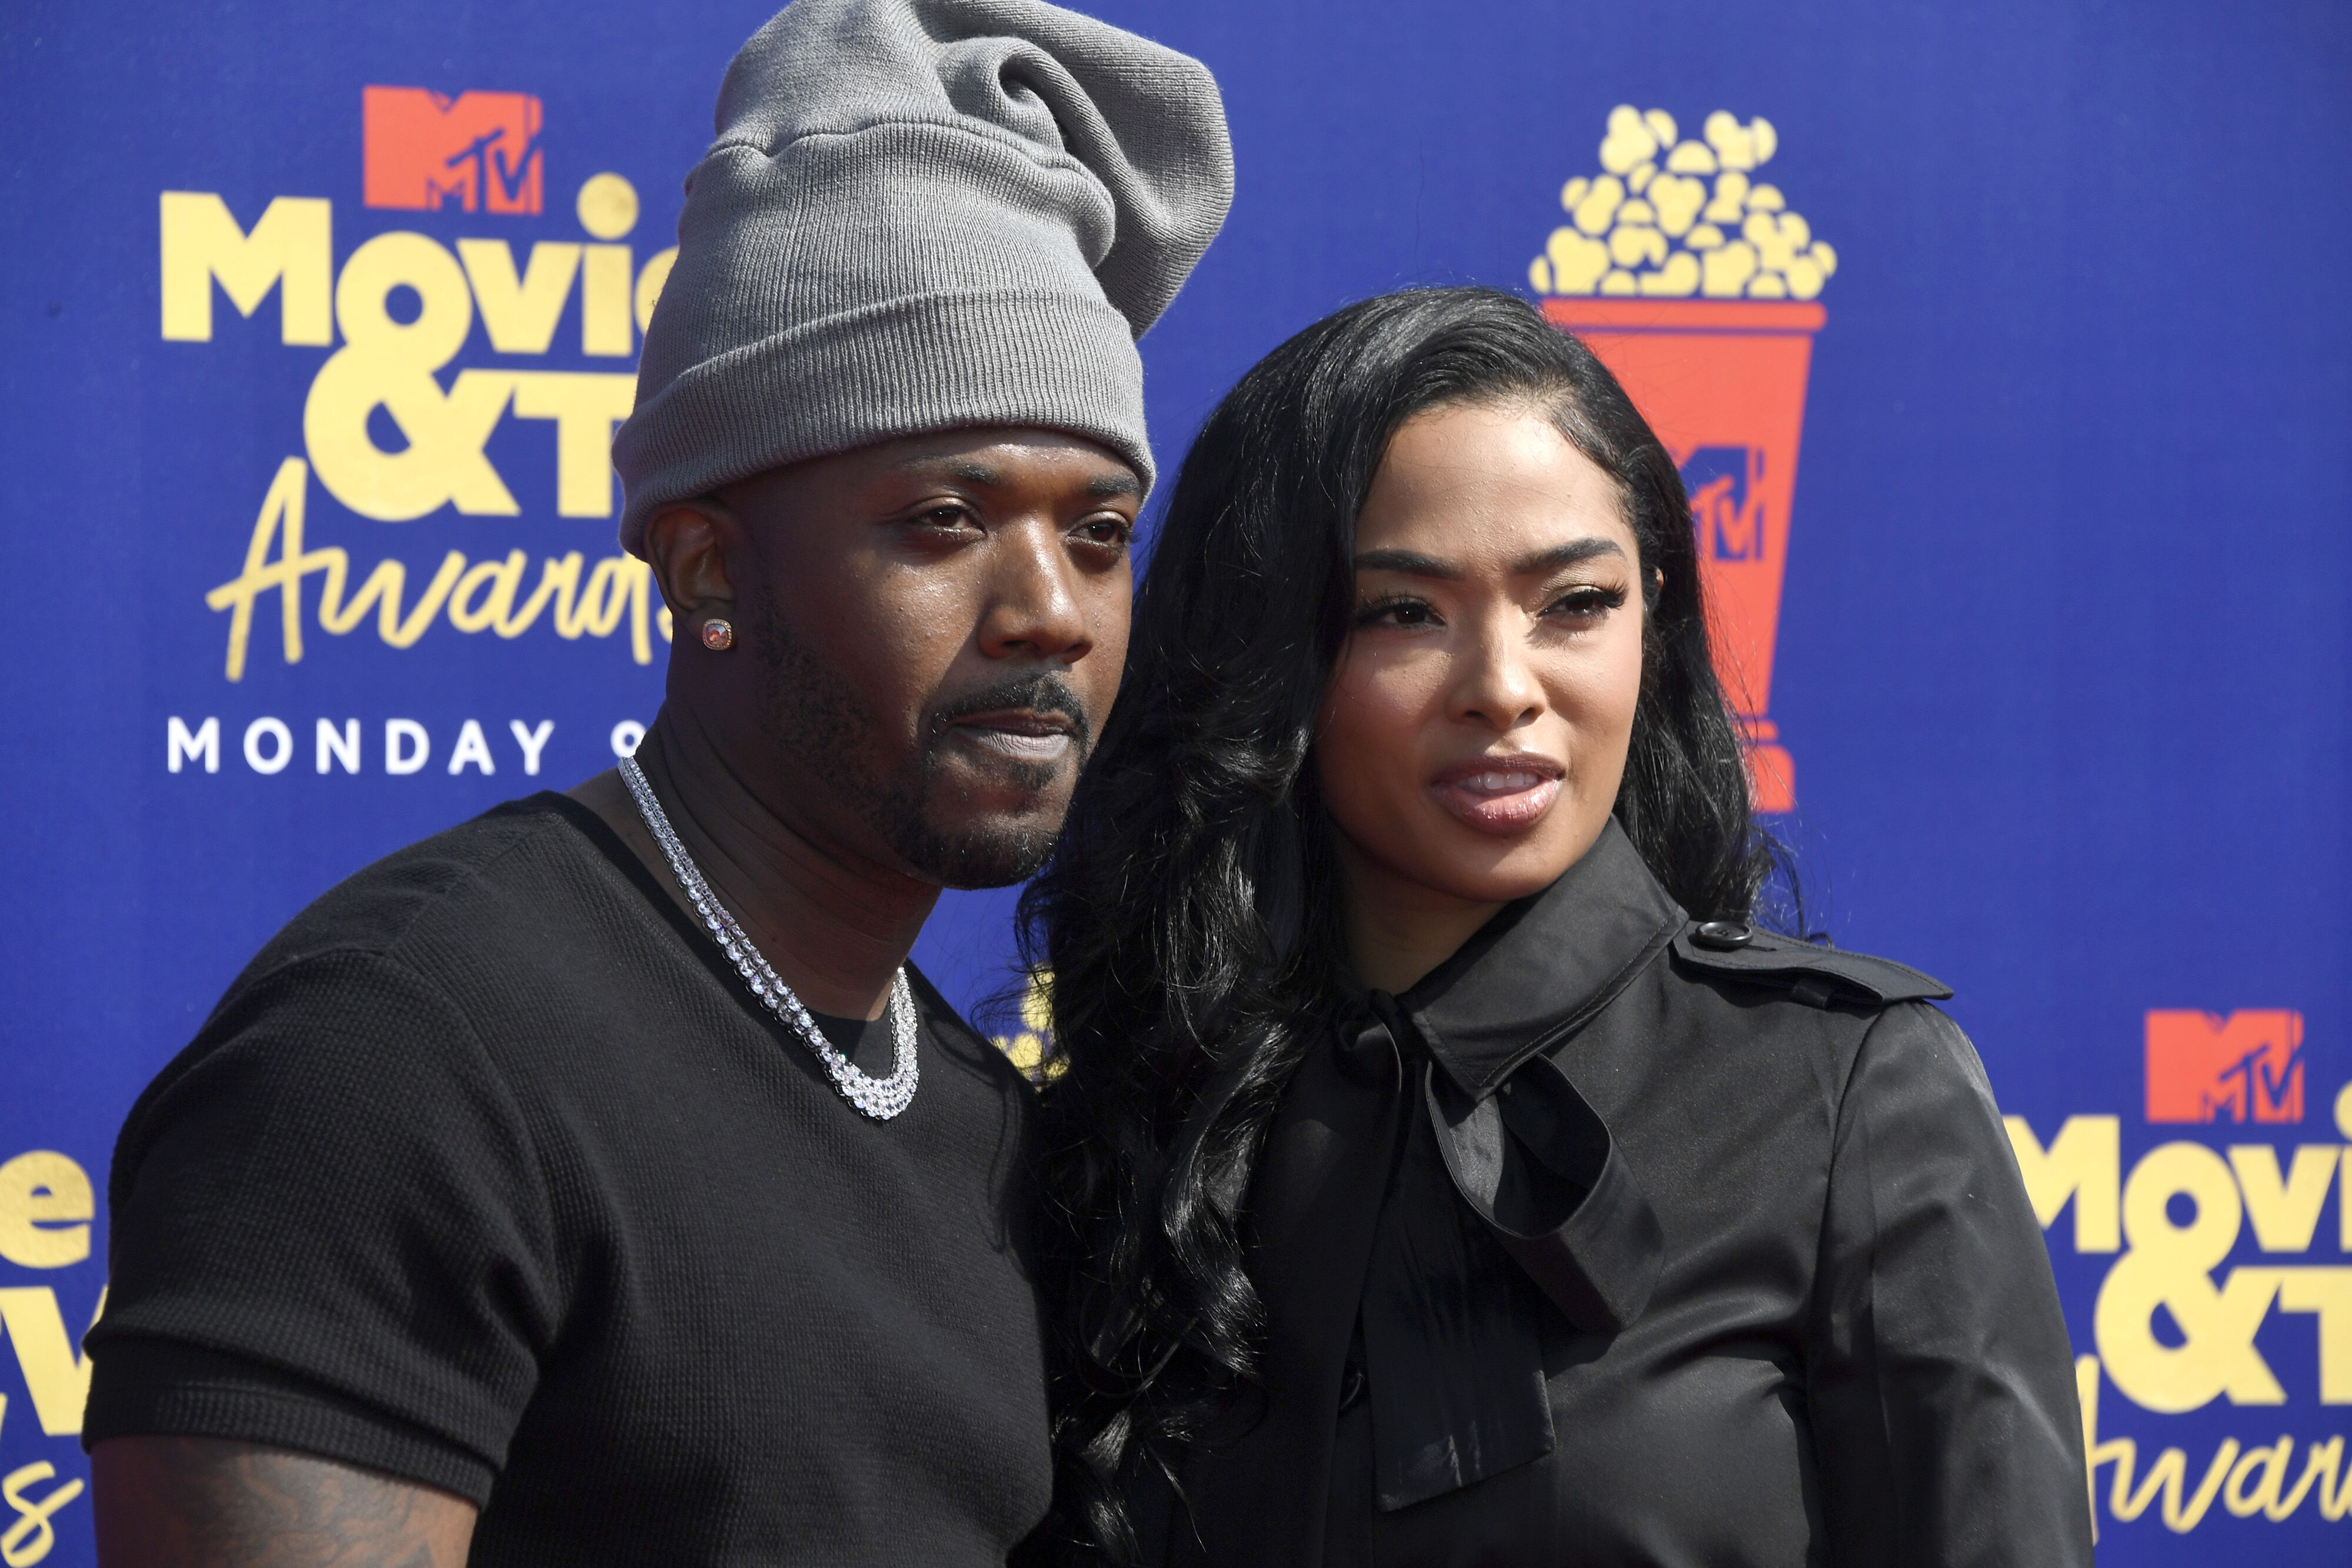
489 1173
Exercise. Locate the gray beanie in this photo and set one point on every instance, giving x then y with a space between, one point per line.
920 215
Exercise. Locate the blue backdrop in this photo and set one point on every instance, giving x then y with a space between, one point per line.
2059 592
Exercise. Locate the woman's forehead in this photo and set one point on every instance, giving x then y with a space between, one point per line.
1487 487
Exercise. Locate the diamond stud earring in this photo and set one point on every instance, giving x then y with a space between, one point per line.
717 636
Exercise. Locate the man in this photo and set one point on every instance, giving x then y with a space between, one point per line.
594 1183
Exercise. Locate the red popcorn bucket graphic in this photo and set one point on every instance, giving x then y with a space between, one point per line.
1723 384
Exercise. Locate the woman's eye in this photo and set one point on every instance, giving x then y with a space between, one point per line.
1585 604
1397 612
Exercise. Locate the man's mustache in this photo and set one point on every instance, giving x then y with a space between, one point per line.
1040 693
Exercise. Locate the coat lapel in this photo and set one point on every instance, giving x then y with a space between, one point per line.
1513 1210
1545 967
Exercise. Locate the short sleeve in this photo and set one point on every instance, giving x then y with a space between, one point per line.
1940 1385
328 1233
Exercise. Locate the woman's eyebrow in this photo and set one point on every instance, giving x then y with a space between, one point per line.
1412 563
1568 554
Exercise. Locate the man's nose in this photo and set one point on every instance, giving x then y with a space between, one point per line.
1035 609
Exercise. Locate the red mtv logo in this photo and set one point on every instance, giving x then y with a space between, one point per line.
479 150
2249 1065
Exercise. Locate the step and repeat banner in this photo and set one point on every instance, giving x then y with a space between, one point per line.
2006 352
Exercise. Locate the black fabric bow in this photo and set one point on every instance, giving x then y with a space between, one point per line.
1511 1220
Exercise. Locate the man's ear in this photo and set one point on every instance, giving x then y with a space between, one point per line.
687 546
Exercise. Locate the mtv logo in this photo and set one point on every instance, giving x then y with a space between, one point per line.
1725 509
478 152
2249 1065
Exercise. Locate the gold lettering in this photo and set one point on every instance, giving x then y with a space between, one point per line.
443 462
57 1378
46 1206
502 578
479 598
2219 1327
558 579
584 405
281 519
393 364
2272 1461
2335 1494
2168 1266
30 1539
382 590
2168 1474
606 273
2326 1292
599 607
519 317
428 604
619 585
2344 1197
2084 1163
363 292
292 247
2318 1465
2285 1213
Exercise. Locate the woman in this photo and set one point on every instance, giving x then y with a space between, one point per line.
1452 1173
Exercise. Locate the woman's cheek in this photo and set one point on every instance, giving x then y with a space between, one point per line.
1600 700
1368 738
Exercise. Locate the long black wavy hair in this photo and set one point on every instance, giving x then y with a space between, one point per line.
1188 919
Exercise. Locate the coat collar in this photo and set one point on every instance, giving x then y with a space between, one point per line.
1545 965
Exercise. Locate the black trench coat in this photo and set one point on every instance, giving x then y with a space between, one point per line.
1621 1240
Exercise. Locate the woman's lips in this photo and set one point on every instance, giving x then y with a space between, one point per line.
1499 794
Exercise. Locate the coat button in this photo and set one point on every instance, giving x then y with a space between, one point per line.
1723 935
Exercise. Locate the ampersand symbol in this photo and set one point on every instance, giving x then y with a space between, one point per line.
2171 1265
33 1514
390 362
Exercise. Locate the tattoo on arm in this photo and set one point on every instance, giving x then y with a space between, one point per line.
204 1502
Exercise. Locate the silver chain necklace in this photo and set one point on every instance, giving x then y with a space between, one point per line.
880 1098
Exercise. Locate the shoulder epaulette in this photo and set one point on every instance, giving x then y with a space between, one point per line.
1813 974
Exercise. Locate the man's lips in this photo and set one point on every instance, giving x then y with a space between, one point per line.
1500 793
1022 734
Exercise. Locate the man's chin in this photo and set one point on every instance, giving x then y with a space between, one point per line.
987 846
983 855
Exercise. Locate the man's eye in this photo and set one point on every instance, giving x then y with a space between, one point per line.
1113 532
947 516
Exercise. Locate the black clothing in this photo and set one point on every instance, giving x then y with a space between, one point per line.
1605 1246
489 1173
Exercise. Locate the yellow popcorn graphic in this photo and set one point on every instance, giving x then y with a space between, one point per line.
1672 218
1032 1049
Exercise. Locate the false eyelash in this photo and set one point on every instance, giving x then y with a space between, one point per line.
1367 613
1596 597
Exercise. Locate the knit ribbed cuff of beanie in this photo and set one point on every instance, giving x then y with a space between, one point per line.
1009 356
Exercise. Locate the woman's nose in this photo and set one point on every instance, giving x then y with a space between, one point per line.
1495 683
